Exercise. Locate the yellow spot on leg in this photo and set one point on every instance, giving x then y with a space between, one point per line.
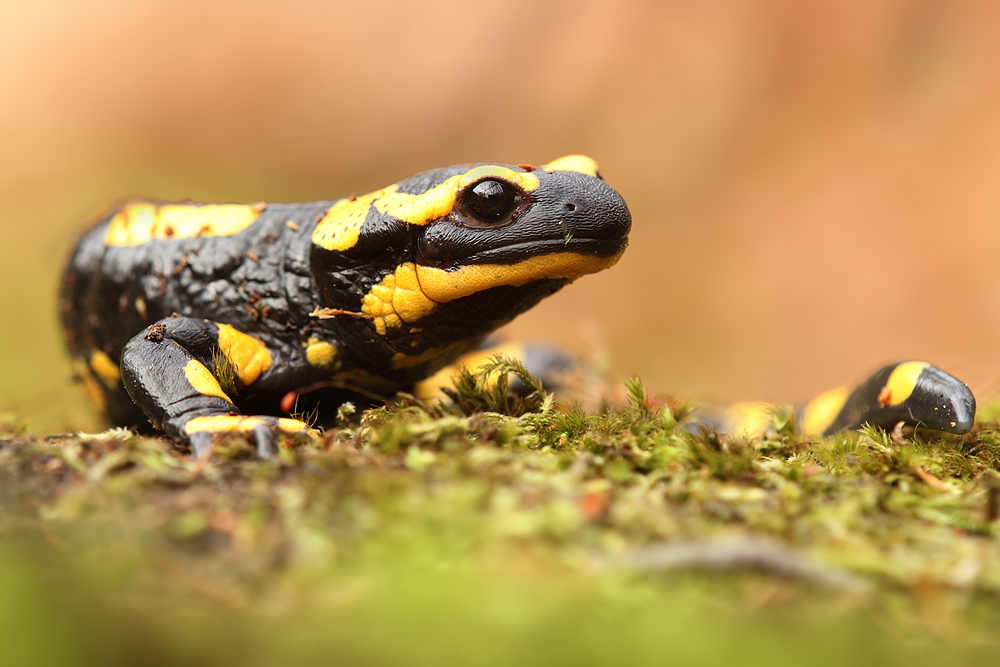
242 424
203 381
95 394
249 355
105 369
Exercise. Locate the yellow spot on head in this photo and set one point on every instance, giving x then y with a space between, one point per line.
341 226
320 353
397 298
902 381
821 412
105 369
580 163
203 381
412 292
439 200
248 354
138 222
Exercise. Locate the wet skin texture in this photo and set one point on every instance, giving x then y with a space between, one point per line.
207 319
190 316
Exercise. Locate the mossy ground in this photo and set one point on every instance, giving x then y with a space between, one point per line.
439 534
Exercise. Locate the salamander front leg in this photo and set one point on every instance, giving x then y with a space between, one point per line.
169 371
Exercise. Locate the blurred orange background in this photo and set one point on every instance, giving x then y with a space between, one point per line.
812 183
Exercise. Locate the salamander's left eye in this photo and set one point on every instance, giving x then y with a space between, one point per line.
489 202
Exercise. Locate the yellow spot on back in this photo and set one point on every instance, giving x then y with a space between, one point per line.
580 163
105 369
320 353
249 355
340 227
821 412
139 222
902 381
203 381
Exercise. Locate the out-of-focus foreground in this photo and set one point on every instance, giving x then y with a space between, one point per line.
811 183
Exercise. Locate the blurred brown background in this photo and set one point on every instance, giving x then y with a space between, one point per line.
812 183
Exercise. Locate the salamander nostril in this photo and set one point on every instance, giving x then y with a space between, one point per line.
570 207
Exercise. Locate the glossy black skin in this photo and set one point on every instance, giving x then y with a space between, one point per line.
266 280
939 402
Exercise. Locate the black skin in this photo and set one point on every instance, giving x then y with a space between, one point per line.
938 401
270 279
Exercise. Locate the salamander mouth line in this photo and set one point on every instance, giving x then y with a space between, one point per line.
440 285
420 285
585 247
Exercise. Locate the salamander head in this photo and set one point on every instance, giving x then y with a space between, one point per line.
440 259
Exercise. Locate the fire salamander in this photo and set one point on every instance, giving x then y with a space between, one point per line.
210 319
207 319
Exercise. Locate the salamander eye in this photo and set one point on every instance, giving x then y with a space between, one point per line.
489 201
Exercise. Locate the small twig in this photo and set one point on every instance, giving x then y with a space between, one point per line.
330 313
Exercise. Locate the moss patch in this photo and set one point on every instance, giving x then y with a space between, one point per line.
529 533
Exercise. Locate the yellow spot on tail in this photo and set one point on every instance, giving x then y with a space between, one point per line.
341 226
105 369
444 286
248 354
320 353
821 412
137 223
902 381
580 163
203 381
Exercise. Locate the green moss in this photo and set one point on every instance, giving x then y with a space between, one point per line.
529 533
